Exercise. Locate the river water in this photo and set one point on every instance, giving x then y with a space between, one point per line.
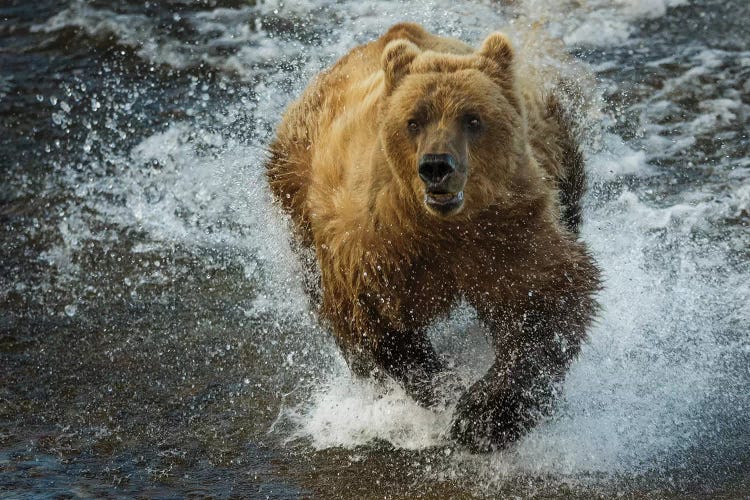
155 338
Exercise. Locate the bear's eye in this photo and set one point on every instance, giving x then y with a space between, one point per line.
413 126
473 123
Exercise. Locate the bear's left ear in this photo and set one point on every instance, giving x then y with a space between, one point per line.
497 48
397 57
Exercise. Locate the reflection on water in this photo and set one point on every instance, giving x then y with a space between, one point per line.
154 333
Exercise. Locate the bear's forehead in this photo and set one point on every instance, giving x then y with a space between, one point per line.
430 62
440 89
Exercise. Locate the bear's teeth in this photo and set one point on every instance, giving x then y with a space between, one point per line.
443 196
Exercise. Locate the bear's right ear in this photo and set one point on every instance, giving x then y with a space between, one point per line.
397 57
497 48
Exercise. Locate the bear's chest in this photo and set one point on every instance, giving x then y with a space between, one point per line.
412 296
428 287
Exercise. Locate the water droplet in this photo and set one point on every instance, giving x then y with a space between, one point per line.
70 310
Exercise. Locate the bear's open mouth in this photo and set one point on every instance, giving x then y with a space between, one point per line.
444 202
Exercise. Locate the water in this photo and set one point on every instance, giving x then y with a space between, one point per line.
154 333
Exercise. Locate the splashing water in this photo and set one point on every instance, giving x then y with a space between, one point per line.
155 243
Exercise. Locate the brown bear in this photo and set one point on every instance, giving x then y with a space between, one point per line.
423 172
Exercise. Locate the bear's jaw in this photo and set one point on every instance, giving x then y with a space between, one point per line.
444 204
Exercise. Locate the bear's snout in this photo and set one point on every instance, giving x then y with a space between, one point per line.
444 181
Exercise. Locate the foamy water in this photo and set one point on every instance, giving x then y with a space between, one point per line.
662 381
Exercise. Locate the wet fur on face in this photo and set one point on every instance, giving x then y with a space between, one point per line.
442 106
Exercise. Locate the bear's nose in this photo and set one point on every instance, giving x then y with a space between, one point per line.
433 168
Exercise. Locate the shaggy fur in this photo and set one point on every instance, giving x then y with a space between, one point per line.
344 165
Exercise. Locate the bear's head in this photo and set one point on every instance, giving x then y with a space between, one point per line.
453 126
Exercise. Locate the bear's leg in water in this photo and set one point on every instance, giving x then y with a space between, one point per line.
407 357
516 391
410 358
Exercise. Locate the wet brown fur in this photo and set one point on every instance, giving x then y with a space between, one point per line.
344 167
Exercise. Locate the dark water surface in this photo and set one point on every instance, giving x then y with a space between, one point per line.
154 337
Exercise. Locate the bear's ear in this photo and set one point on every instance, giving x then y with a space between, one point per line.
497 48
397 57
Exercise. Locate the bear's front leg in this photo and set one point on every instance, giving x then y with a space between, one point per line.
374 347
407 357
511 398
411 360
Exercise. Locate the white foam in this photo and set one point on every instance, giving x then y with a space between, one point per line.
346 412
595 22
617 159
131 30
